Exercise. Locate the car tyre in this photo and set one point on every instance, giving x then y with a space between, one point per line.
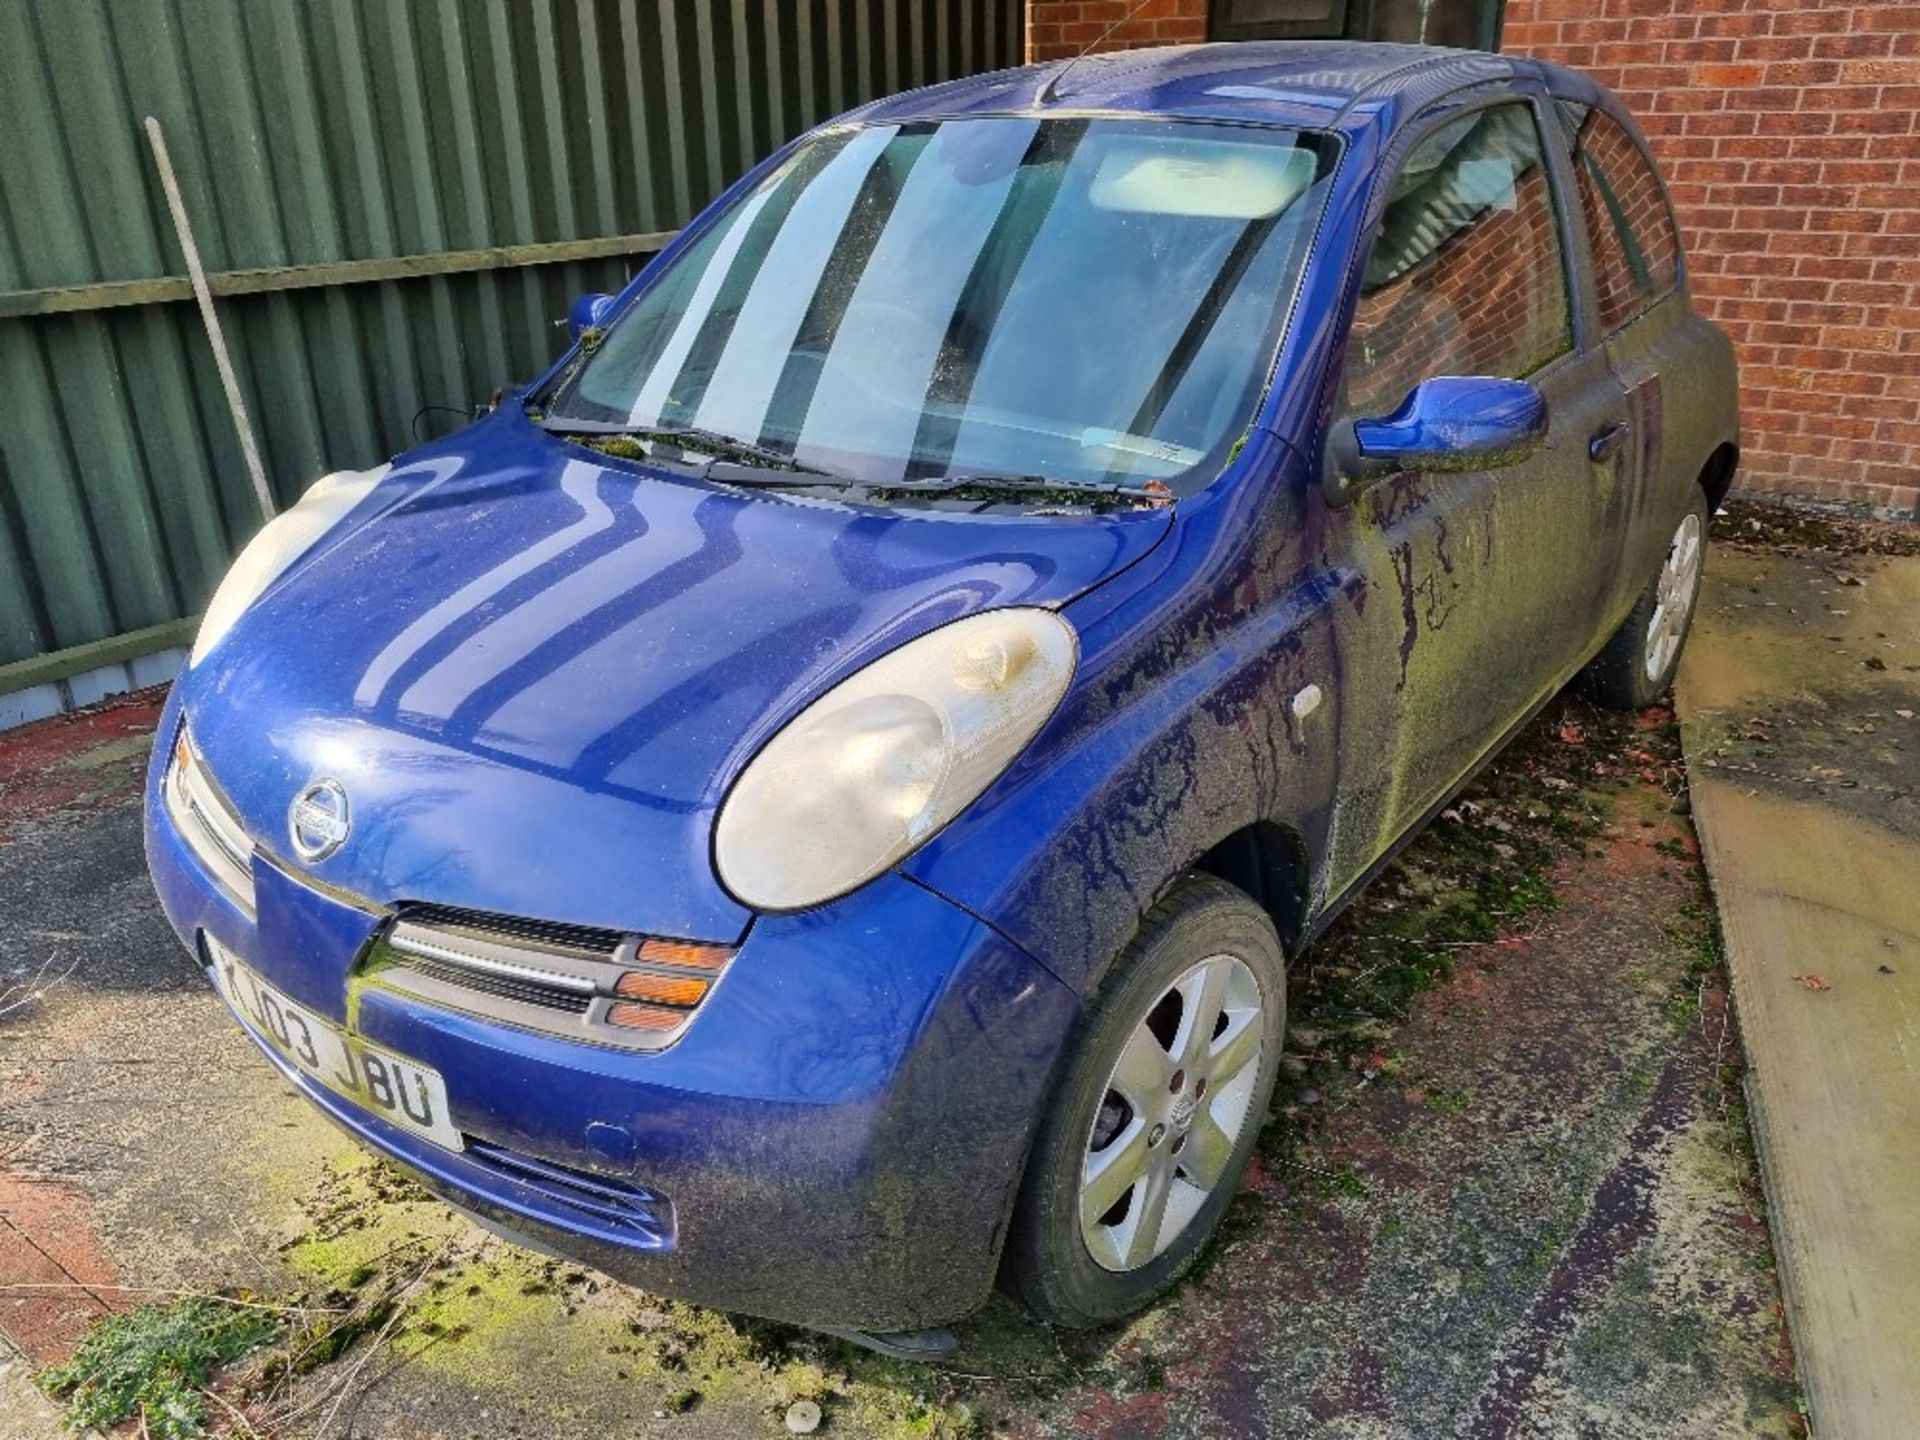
1169 1082
1639 662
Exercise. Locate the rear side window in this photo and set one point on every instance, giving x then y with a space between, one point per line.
1466 277
1636 254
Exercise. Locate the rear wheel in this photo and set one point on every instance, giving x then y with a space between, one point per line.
1145 1142
1639 662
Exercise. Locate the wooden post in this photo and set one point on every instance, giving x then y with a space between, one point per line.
222 361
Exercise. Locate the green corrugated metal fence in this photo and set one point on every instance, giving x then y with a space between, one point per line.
397 199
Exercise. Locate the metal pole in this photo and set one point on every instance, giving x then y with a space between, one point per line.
182 228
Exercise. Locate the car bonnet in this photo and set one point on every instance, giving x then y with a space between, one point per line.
533 672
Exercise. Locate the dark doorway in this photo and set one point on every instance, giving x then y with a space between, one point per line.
1470 24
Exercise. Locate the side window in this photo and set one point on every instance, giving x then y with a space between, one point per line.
1466 277
1636 254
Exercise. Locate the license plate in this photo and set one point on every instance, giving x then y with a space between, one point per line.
391 1086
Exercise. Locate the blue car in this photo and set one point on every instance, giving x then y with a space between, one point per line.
808 805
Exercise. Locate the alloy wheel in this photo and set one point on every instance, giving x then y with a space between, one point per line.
1673 597
1172 1113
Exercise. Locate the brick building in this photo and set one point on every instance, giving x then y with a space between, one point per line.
1789 131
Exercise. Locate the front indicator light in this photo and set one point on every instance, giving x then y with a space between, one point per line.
630 1016
661 989
686 953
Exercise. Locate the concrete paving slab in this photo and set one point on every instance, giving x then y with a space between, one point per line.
1798 695
25 1414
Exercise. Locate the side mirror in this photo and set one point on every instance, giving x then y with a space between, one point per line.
1449 423
589 312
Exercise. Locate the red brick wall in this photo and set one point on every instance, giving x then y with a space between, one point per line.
1060 29
1789 131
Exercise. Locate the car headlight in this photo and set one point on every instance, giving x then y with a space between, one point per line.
283 540
872 769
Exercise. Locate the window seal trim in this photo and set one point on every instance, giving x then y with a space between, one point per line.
1608 106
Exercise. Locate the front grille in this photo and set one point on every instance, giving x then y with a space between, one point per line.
612 1203
208 823
502 987
552 935
601 986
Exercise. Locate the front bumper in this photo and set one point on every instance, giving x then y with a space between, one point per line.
834 1141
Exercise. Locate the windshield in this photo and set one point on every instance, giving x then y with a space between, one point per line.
1082 300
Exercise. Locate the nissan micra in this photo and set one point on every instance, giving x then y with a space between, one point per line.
807 806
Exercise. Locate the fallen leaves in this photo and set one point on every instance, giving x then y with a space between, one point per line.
1811 981
1759 525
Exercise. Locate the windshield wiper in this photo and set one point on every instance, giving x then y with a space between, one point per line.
710 442
756 464
986 486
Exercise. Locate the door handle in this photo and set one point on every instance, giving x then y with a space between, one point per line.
1605 442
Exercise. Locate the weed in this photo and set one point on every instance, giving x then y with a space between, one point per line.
1695 935
1341 1182
154 1362
334 1336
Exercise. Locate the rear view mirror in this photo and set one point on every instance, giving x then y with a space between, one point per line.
589 312
1449 423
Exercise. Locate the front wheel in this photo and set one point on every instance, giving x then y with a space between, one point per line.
1163 1099
1639 662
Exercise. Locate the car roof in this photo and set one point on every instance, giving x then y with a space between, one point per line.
1313 84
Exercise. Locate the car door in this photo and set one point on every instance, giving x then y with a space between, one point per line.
1633 251
1474 589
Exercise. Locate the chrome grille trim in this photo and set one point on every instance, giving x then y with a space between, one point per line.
416 940
547 936
208 824
501 987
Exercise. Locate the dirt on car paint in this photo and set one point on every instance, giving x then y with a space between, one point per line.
1506 1189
